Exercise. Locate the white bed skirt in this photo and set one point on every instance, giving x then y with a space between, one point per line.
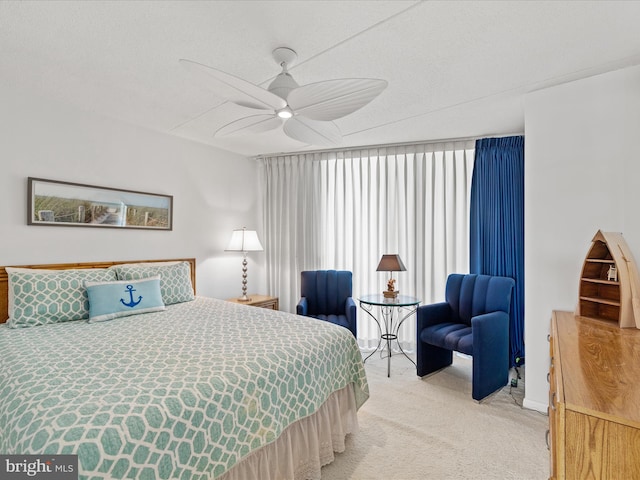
304 447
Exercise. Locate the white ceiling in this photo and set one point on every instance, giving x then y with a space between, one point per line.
455 69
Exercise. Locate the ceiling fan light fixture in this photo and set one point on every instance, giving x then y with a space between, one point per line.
285 112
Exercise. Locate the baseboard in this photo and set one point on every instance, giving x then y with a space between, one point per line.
531 405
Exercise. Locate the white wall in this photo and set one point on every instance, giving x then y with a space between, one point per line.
213 192
582 173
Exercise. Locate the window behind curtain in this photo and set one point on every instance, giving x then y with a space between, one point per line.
343 209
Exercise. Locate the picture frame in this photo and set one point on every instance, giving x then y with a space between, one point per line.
58 203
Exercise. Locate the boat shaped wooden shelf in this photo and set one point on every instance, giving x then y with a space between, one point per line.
609 283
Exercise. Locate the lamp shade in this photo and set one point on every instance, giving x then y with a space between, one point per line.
244 240
391 263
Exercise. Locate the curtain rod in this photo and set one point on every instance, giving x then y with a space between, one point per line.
382 145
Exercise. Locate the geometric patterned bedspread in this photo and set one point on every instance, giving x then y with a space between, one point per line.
181 394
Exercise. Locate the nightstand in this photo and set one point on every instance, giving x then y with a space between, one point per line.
263 301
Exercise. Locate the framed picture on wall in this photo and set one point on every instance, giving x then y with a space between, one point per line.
52 202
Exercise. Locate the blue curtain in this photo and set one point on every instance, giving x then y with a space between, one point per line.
497 223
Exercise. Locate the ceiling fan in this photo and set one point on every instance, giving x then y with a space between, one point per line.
305 112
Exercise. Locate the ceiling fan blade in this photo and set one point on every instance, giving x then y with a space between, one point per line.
333 99
235 89
314 132
252 124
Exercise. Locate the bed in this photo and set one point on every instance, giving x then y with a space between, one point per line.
198 388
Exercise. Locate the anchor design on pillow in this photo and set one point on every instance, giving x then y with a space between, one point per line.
132 303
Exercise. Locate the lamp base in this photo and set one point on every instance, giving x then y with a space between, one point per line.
244 298
390 294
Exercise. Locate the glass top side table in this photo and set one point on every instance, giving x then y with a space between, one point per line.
393 313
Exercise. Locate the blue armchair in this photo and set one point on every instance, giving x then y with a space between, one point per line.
326 295
473 320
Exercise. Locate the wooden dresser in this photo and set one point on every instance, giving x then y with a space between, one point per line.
594 399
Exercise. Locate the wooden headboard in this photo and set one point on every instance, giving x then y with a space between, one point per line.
4 278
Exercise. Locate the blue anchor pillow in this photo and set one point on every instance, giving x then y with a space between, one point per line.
109 300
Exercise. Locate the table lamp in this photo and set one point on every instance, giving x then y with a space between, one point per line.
391 263
243 240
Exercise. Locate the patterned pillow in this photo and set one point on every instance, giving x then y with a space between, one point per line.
40 297
175 278
121 298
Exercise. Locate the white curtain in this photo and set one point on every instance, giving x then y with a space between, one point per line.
343 209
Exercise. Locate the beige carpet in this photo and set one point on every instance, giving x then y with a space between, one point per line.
431 428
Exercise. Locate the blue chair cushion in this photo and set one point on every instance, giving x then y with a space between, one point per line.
452 336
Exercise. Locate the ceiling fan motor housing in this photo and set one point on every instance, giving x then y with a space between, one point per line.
282 85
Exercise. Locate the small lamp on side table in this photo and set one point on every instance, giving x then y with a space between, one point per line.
243 240
391 263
